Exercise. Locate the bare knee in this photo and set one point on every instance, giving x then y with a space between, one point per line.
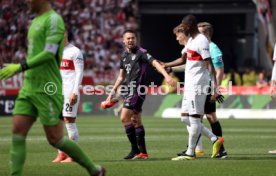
69 119
53 140
54 133
22 124
125 120
212 118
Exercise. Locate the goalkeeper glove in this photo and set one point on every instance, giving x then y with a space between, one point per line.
9 71
12 69
220 98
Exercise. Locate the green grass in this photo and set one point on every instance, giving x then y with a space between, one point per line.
103 138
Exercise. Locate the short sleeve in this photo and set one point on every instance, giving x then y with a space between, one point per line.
204 48
146 57
216 55
121 64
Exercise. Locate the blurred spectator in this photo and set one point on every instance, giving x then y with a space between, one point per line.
94 25
232 77
249 77
262 82
166 88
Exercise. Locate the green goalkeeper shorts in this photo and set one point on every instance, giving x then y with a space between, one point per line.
47 107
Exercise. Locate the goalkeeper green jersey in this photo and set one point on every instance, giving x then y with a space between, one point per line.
46 33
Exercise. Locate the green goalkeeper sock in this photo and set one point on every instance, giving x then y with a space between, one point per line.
17 154
74 151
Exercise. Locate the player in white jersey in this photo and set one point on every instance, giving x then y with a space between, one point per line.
71 70
273 84
198 62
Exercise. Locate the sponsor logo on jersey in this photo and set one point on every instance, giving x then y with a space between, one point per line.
67 65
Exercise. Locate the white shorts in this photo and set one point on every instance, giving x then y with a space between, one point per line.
193 103
70 111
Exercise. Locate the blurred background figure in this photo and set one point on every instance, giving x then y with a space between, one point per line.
166 88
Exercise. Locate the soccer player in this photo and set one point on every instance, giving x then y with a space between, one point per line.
41 94
273 85
198 67
71 70
132 72
206 29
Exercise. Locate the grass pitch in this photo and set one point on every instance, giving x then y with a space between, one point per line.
103 138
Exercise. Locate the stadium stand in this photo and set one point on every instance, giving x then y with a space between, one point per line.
95 27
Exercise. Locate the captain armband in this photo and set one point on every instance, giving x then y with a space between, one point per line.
51 47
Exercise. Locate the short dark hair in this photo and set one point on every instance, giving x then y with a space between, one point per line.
130 31
190 22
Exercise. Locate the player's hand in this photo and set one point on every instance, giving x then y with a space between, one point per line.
161 63
9 71
73 99
108 98
220 98
171 81
168 69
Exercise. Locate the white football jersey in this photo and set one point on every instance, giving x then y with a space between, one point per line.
196 72
71 70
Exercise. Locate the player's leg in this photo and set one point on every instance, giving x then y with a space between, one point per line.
184 119
69 117
56 138
126 115
196 110
217 130
139 127
54 126
21 127
73 134
24 114
140 136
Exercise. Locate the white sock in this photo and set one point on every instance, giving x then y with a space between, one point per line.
195 130
186 120
208 133
73 132
199 144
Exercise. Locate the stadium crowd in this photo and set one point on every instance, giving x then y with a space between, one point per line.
94 25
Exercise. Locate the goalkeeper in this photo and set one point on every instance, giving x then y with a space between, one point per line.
41 94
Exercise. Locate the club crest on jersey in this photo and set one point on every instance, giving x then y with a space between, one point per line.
128 68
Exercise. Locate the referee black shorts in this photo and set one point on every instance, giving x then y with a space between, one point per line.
209 107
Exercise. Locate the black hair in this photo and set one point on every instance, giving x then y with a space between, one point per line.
190 22
129 31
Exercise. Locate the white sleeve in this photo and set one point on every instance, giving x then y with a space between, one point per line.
79 65
204 48
274 53
273 76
